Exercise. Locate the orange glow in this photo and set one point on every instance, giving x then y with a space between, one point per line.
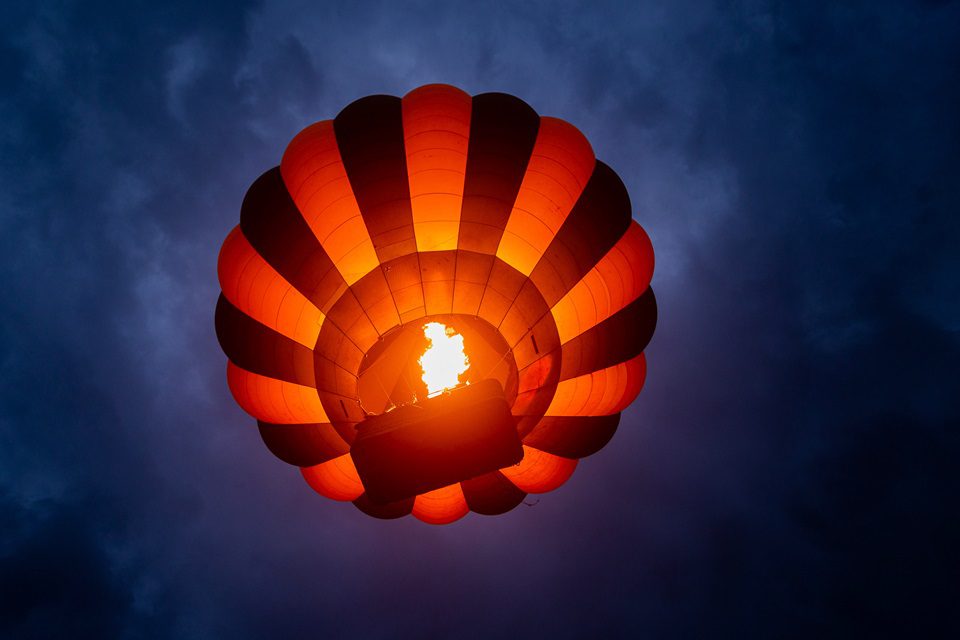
317 181
444 361
559 168
441 506
436 129
336 479
273 400
387 240
539 471
602 392
618 279
255 288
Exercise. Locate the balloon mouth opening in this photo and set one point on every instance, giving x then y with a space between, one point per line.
437 395
433 357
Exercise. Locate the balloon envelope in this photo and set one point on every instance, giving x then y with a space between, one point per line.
436 207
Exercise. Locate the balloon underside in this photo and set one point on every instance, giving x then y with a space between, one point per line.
436 205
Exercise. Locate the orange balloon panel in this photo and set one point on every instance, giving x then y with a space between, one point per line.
616 281
377 302
336 479
436 131
263 294
602 392
274 400
539 471
314 174
441 506
560 166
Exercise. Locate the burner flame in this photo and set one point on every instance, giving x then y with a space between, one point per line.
444 360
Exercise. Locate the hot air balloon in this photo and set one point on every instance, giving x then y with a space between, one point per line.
436 304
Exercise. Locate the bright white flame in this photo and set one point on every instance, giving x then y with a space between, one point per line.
444 359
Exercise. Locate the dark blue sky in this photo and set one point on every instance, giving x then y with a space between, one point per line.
790 469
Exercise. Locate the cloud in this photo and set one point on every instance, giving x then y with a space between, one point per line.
785 472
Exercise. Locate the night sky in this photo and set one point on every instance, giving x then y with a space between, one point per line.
789 471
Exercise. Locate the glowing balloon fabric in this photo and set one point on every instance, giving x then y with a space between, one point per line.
437 205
